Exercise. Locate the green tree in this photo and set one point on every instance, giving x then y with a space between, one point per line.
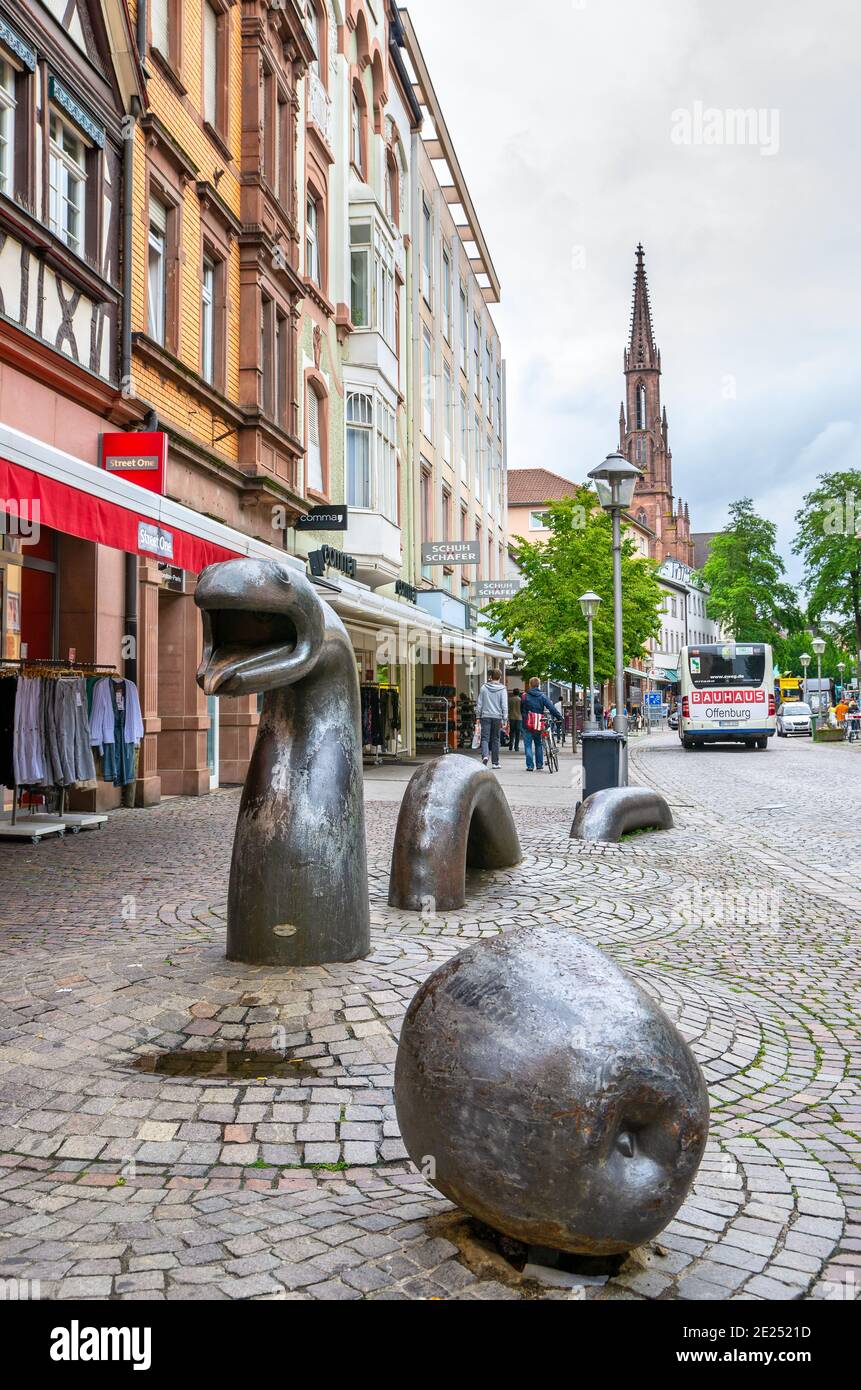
829 523
545 620
749 594
788 651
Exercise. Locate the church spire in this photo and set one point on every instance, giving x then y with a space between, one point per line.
641 350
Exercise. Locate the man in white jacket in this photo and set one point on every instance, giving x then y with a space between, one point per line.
492 710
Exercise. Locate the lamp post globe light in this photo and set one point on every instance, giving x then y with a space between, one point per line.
818 645
615 480
589 604
805 662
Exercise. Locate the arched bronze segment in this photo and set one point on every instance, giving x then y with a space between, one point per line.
454 816
610 814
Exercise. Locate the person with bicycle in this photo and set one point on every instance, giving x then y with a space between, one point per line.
535 704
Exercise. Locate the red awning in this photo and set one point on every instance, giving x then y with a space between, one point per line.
77 512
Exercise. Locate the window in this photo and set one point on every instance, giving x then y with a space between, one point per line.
498 396
464 436
476 355
314 467
488 377
446 296
156 270
393 190
478 461
538 521
312 244
642 423
642 453
427 252
446 515
7 127
160 26
210 65
464 331
207 321
427 385
67 181
447 412
426 502
384 276
386 463
282 367
266 348
360 274
479 572
360 420
357 144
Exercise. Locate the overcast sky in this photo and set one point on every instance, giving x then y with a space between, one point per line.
565 116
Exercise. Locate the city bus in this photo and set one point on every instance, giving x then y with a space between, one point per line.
727 694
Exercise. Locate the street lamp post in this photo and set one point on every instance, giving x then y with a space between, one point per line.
615 480
841 667
805 662
818 645
589 604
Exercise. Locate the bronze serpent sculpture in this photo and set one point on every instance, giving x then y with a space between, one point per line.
298 879
454 814
544 1092
607 815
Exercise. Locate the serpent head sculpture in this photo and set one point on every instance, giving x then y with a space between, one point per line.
298 880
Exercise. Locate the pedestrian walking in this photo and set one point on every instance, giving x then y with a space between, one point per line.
515 719
535 702
491 710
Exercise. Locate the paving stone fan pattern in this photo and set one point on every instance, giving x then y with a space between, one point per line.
119 1184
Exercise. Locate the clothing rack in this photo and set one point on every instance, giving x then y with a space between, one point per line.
379 751
47 669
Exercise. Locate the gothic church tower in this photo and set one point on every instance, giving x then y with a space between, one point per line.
643 434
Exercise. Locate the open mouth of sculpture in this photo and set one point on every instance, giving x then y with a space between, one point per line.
242 646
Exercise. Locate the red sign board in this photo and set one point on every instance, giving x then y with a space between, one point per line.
140 456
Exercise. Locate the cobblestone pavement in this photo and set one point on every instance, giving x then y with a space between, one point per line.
116 1184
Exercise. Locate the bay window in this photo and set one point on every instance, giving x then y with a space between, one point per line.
67 180
372 469
384 267
360 274
360 422
7 127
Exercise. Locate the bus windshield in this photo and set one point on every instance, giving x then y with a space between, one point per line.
740 666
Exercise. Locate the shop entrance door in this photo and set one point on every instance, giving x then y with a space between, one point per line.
212 742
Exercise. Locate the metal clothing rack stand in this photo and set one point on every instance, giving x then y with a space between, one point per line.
33 666
432 703
380 752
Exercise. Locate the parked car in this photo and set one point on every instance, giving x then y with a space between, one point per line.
673 720
794 719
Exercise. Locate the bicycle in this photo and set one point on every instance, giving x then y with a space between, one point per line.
550 745
852 728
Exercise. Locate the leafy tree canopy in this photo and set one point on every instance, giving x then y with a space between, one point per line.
749 594
829 526
545 620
